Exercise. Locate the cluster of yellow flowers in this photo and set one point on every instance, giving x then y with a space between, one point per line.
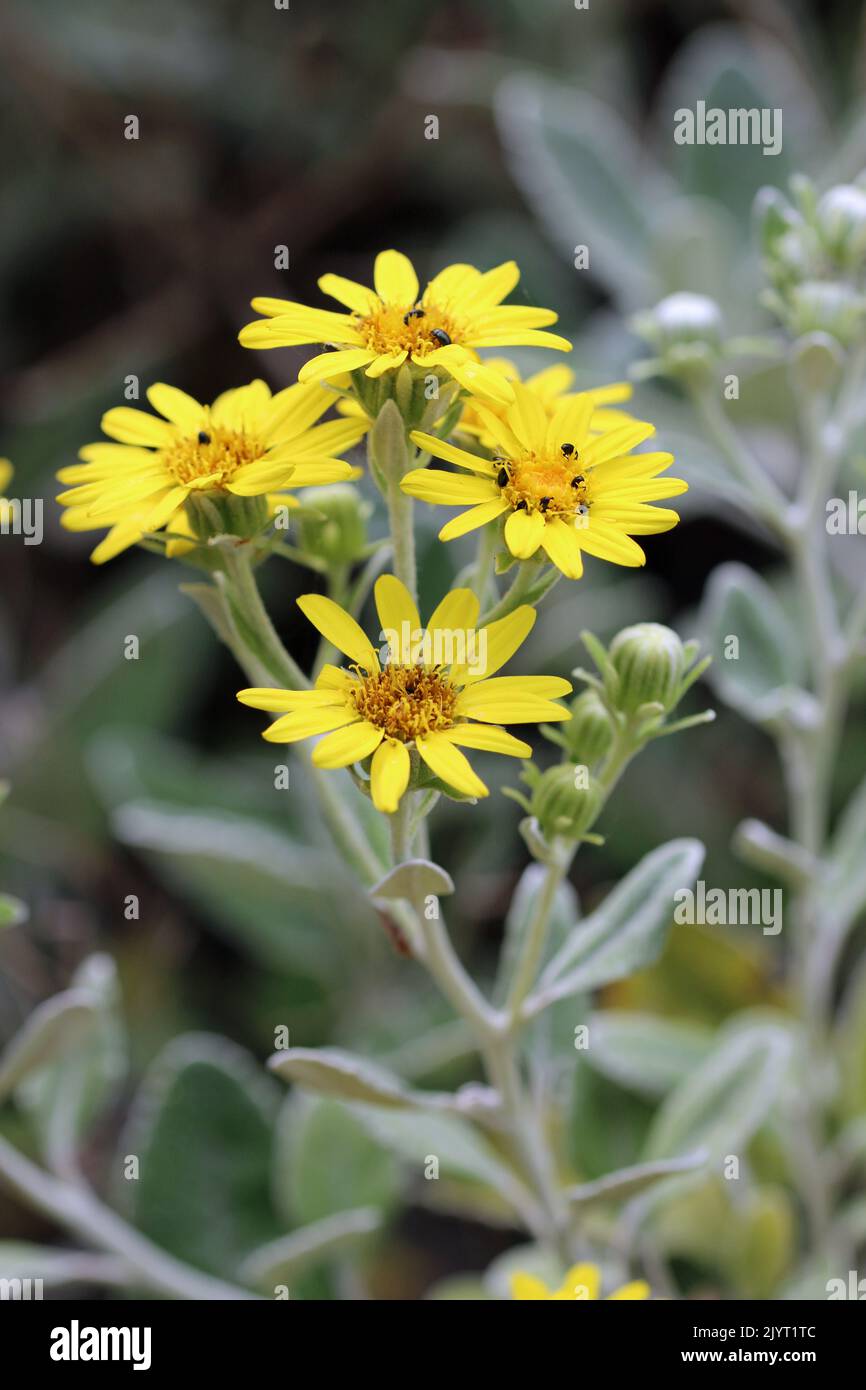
557 464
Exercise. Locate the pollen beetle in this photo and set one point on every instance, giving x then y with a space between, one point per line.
441 336
567 449
203 437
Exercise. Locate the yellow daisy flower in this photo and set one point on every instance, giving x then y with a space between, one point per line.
433 694
550 385
248 443
460 310
565 489
581 1281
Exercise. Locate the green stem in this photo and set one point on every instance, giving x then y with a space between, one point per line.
77 1209
528 580
402 535
526 967
482 573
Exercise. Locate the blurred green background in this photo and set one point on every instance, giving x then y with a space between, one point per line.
305 127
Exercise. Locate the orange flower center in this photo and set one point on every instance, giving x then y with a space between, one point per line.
406 701
418 329
552 483
209 460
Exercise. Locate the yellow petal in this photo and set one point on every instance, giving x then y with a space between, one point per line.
182 410
492 287
470 520
562 544
527 419
335 623
458 610
137 427
609 544
395 279
329 364
281 701
389 775
448 763
448 489
348 745
496 644
398 615
292 411
479 379
488 739
582 1281
523 533
525 1288
358 298
608 446
440 449
638 1288
387 362
303 723
119 538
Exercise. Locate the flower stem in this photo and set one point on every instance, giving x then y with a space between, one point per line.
77 1209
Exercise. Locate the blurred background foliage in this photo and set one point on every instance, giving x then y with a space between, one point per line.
261 126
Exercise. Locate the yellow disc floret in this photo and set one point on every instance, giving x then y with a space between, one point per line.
406 701
211 458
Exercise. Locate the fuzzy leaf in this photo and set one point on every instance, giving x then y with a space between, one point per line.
627 931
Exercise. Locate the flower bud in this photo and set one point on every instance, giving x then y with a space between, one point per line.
566 801
686 332
218 513
589 732
649 660
338 533
841 218
820 306
421 394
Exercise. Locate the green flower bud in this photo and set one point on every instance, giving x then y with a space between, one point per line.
841 218
421 394
338 535
565 801
687 318
827 307
649 660
686 332
589 732
219 513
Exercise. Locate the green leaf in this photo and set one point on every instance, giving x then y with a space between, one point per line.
585 177
414 880
758 674
627 931
12 911
289 1256
244 873
417 1137
625 1183
724 1101
564 914
50 1029
846 880
66 1096
330 1071
325 1161
202 1126
645 1053
56 1267
851 1038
